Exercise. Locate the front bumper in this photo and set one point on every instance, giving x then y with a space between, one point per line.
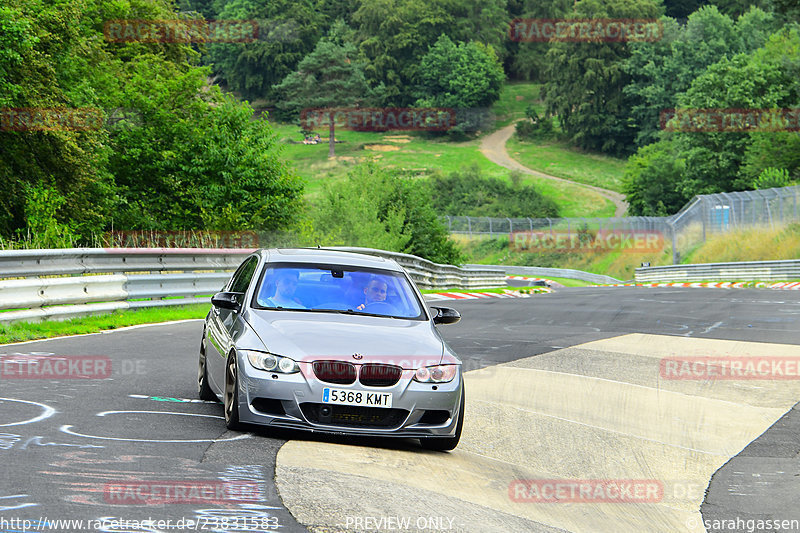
294 401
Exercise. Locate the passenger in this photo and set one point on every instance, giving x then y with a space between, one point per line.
285 285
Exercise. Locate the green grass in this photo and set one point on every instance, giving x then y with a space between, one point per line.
416 154
514 99
498 290
421 156
559 159
25 331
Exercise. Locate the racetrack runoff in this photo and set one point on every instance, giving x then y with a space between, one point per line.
566 388
596 411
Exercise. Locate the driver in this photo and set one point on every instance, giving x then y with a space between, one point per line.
375 291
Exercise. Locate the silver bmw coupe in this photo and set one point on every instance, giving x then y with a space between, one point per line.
331 341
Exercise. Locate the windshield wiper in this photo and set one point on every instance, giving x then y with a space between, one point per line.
356 313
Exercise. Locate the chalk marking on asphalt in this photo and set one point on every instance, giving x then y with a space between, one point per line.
47 412
67 429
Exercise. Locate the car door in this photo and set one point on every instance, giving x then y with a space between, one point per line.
223 321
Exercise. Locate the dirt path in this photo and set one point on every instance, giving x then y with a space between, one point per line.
493 147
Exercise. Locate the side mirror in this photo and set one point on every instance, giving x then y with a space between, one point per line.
226 300
445 315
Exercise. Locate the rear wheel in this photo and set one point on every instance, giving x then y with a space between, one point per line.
445 444
203 388
231 393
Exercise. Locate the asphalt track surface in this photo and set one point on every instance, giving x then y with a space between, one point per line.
561 386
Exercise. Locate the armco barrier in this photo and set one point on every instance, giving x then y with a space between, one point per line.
98 280
747 271
429 275
542 272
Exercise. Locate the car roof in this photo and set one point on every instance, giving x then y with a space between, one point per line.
328 257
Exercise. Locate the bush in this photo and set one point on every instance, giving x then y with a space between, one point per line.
469 193
377 208
535 127
772 177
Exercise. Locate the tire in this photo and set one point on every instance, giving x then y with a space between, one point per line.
447 443
231 395
203 388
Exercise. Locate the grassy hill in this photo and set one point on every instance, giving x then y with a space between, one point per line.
420 154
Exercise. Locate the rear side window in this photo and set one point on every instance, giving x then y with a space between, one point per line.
243 276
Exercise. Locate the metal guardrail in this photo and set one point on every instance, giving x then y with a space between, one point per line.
543 272
27 263
748 271
58 284
429 275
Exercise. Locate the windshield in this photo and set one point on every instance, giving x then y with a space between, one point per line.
338 289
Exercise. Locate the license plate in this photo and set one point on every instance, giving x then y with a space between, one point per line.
357 397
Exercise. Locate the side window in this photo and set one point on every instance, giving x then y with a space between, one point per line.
243 276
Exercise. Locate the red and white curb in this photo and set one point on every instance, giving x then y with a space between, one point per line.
483 295
795 285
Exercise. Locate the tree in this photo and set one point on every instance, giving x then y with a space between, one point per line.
662 69
287 31
529 62
650 178
377 208
392 36
766 78
722 161
734 8
329 77
467 76
585 80
462 75
190 154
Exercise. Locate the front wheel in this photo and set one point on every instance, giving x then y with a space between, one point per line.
447 443
231 394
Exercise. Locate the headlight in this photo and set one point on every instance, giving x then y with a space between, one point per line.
436 374
272 363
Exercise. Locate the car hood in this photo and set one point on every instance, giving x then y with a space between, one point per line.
316 336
